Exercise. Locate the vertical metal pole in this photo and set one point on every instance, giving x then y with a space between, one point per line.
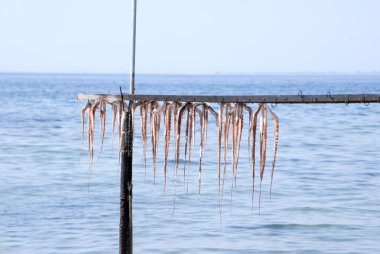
126 234
132 80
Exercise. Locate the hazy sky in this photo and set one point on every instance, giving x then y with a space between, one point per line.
190 36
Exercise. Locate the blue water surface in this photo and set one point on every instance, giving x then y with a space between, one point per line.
326 189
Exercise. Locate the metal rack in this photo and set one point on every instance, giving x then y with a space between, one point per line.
273 99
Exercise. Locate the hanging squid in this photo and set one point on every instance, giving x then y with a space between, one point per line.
230 120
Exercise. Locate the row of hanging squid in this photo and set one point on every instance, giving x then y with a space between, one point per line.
183 119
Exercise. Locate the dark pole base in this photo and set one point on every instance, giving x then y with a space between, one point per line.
126 234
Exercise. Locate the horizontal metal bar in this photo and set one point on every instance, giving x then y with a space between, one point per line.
276 99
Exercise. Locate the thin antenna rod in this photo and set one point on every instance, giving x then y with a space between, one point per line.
132 80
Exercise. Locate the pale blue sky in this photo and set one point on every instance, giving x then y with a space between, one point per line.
190 36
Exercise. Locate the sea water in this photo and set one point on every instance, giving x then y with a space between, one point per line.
326 187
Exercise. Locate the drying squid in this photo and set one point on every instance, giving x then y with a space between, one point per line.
230 120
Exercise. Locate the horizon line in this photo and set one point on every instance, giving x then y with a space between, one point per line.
357 73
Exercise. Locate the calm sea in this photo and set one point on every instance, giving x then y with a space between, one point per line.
326 189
